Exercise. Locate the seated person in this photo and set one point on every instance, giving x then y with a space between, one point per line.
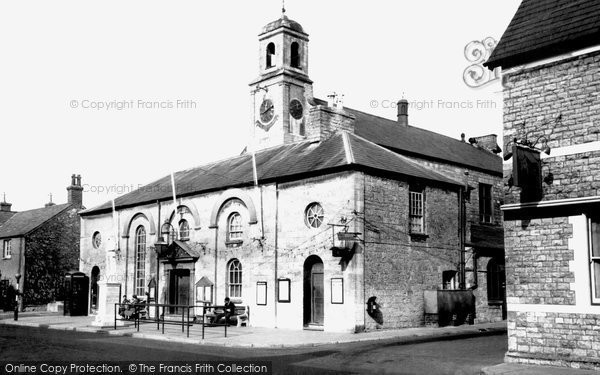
228 313
123 306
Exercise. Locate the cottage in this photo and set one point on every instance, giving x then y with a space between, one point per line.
40 245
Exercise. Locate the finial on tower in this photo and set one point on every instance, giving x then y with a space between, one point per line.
282 8
50 197
3 197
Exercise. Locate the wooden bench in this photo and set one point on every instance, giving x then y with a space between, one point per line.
241 316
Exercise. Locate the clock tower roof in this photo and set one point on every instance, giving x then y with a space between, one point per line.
284 21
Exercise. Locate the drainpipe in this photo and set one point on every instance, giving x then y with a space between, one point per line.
463 224
216 258
276 250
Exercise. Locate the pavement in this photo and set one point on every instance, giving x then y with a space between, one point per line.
258 337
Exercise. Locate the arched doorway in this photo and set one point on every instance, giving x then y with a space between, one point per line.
313 292
94 278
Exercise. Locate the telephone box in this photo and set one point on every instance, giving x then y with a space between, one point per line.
77 286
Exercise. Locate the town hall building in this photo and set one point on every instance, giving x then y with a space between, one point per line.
332 207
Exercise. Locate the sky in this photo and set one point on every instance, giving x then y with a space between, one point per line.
124 93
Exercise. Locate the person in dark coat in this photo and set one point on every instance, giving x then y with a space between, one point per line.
228 313
374 311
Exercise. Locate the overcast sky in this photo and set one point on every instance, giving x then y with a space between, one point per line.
61 56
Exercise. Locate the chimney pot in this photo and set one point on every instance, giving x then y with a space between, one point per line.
462 137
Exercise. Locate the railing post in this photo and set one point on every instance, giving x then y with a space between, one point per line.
203 319
163 320
115 312
182 320
188 321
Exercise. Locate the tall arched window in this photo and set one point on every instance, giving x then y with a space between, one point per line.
140 261
270 55
295 55
184 230
234 227
234 278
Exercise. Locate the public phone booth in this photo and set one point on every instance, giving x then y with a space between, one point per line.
77 286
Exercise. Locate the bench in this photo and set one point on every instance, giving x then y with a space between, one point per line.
241 316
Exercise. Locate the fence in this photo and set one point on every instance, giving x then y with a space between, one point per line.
139 314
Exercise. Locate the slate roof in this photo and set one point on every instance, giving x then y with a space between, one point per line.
413 141
543 28
22 223
5 215
285 162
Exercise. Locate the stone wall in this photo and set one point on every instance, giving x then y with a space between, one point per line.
398 267
51 251
558 101
551 319
554 339
473 178
537 267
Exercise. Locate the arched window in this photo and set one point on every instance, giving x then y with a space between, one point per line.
234 227
295 55
234 278
184 230
140 261
496 280
270 55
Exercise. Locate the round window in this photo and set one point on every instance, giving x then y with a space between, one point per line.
96 240
314 215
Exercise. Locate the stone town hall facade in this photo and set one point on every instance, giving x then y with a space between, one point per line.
393 191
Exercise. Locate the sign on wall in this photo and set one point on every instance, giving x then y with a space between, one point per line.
261 293
337 290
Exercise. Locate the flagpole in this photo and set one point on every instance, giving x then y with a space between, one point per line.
174 195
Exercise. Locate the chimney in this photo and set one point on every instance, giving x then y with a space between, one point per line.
50 204
5 207
402 106
486 142
75 191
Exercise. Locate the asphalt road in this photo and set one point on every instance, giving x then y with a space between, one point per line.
456 357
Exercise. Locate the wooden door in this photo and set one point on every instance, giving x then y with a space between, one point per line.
317 300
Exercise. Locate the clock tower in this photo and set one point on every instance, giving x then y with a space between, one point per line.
280 92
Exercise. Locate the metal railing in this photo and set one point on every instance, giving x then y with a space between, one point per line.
133 312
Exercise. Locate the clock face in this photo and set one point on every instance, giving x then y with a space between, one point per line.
296 109
267 111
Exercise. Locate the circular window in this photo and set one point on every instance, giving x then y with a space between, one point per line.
96 240
314 215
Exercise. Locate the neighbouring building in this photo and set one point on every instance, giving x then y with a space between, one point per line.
41 245
550 60
333 207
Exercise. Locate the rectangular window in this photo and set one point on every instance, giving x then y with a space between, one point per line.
594 233
485 203
6 251
416 212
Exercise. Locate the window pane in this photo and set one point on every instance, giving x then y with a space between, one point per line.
596 279
595 227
